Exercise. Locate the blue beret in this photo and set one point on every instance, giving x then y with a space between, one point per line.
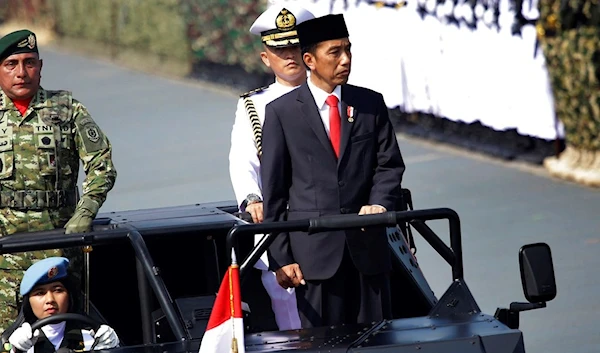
44 271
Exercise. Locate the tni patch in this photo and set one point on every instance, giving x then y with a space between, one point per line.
91 131
92 137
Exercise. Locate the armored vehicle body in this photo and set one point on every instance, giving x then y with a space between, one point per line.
153 274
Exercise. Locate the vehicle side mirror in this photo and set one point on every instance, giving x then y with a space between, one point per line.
537 272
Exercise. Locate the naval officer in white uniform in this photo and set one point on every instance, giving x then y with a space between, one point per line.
277 28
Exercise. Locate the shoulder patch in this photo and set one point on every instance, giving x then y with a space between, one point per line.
92 137
254 91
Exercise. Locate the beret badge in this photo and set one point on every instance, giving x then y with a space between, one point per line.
52 272
29 42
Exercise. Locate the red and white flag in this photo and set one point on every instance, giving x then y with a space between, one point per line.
225 330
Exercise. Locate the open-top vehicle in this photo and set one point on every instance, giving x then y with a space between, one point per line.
153 274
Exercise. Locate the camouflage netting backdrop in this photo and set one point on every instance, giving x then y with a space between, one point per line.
570 35
195 32
153 26
218 31
30 11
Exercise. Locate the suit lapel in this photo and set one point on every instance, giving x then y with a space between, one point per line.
311 115
346 124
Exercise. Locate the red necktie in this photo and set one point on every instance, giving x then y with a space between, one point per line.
334 123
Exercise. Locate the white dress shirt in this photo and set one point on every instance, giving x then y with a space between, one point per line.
321 98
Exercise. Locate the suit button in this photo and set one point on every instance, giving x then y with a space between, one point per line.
344 210
341 183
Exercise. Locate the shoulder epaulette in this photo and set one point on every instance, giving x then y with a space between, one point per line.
55 96
59 93
254 91
379 4
2 100
57 99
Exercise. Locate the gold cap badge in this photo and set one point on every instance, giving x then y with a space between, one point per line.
29 42
285 20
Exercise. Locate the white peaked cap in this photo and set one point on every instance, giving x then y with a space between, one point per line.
277 25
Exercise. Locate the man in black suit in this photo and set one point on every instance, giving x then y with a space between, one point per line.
329 148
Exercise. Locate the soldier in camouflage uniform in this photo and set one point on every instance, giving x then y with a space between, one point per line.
43 135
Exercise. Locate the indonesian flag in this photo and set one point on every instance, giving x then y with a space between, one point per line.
225 330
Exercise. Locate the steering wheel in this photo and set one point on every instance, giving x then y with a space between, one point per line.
54 319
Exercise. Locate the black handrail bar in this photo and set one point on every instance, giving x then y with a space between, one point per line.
57 239
452 255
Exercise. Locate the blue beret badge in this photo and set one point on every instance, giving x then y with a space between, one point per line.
52 272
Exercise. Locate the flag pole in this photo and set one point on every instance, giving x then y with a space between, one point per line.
234 343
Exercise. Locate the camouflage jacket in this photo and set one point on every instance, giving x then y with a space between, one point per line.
36 155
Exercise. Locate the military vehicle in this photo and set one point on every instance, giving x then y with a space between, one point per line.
152 274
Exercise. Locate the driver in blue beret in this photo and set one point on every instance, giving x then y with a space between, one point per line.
47 290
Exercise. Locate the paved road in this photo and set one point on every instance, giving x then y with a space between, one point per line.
171 142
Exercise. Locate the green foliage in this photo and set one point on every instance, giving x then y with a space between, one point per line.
153 26
218 31
570 35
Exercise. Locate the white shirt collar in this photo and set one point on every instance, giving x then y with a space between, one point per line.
321 96
278 85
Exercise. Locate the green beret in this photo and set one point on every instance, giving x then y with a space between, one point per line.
18 42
